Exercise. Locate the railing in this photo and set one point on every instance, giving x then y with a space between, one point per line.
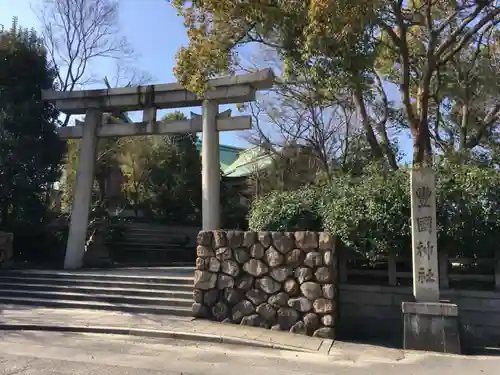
392 270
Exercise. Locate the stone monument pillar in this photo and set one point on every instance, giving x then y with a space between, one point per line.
428 323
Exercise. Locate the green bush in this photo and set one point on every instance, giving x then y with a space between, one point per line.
286 211
371 213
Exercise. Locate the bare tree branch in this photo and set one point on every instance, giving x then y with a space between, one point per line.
78 33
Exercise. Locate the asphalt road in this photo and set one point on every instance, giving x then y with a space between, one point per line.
45 353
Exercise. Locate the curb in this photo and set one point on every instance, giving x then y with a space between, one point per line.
149 333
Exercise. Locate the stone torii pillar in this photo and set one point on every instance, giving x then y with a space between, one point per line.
210 164
83 192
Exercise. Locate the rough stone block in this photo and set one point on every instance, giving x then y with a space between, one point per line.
244 282
204 280
224 253
306 240
257 296
232 295
219 238
303 274
313 259
284 242
265 239
295 257
326 241
267 312
249 238
273 258
204 238
268 285
224 281
255 267
241 255
280 274
311 290
204 251
235 238
242 309
231 268
257 251
301 304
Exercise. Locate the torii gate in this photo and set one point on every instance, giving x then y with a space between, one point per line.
149 99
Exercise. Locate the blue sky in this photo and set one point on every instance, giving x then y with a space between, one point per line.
153 29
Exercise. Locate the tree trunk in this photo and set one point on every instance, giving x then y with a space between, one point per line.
422 149
370 134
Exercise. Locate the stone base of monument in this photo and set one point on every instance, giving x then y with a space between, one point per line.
431 326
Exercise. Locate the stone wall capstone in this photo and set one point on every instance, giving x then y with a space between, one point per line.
278 280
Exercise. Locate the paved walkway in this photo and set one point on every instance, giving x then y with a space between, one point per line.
34 318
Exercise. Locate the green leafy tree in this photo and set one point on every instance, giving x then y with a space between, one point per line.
173 186
348 47
30 149
134 159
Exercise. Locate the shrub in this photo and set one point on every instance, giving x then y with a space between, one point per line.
371 213
286 211
38 245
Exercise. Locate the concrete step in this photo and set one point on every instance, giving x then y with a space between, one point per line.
171 292
181 277
137 244
145 263
162 228
134 284
157 233
107 298
94 305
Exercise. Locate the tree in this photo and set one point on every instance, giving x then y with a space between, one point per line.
466 116
79 33
30 149
293 113
342 45
340 73
173 185
424 39
134 158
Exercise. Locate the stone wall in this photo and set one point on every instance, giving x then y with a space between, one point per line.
277 280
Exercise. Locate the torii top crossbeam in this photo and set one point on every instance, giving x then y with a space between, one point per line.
225 90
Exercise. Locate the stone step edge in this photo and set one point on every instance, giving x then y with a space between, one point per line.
109 280
101 283
5 293
89 304
97 288
150 333
87 275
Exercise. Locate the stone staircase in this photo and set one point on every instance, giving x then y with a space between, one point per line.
153 291
154 244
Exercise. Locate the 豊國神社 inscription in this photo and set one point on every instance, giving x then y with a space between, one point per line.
424 236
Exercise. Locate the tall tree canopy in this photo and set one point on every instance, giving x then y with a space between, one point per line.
30 149
351 48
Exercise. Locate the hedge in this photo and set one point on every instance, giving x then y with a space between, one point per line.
371 213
